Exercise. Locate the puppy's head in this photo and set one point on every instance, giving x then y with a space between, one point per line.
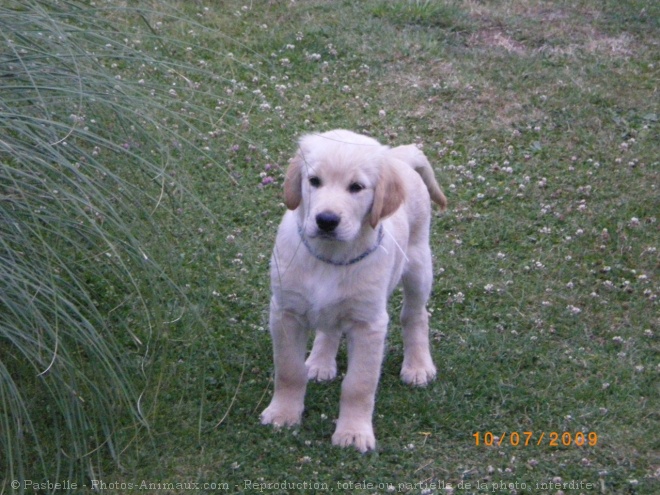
341 182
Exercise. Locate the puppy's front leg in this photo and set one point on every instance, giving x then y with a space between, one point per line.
289 335
418 368
358 391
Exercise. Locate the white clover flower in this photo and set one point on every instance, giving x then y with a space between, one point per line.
574 309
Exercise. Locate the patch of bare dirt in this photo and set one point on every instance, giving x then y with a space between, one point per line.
493 38
554 28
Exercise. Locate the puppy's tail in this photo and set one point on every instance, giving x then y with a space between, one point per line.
412 155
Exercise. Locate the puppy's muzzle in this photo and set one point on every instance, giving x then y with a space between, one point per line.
327 222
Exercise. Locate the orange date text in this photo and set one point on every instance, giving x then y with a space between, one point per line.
532 438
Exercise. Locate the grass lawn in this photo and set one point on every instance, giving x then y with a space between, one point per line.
541 120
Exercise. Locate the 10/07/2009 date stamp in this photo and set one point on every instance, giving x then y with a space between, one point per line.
530 438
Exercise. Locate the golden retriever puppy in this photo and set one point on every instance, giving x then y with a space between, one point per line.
357 224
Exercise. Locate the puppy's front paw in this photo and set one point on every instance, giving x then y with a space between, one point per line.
419 376
362 438
321 372
280 415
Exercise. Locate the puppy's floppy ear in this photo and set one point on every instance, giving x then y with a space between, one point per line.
293 182
388 195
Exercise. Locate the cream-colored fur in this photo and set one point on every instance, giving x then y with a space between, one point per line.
341 189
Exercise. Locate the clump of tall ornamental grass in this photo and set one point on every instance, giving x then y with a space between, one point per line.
90 132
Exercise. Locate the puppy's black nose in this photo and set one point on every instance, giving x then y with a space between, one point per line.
327 221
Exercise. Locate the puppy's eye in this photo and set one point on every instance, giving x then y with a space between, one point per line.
315 182
355 187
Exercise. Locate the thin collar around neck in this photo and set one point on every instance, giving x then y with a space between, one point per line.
352 261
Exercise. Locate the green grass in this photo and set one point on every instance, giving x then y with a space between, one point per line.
541 119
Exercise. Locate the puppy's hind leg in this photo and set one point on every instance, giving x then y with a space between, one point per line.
418 367
321 363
